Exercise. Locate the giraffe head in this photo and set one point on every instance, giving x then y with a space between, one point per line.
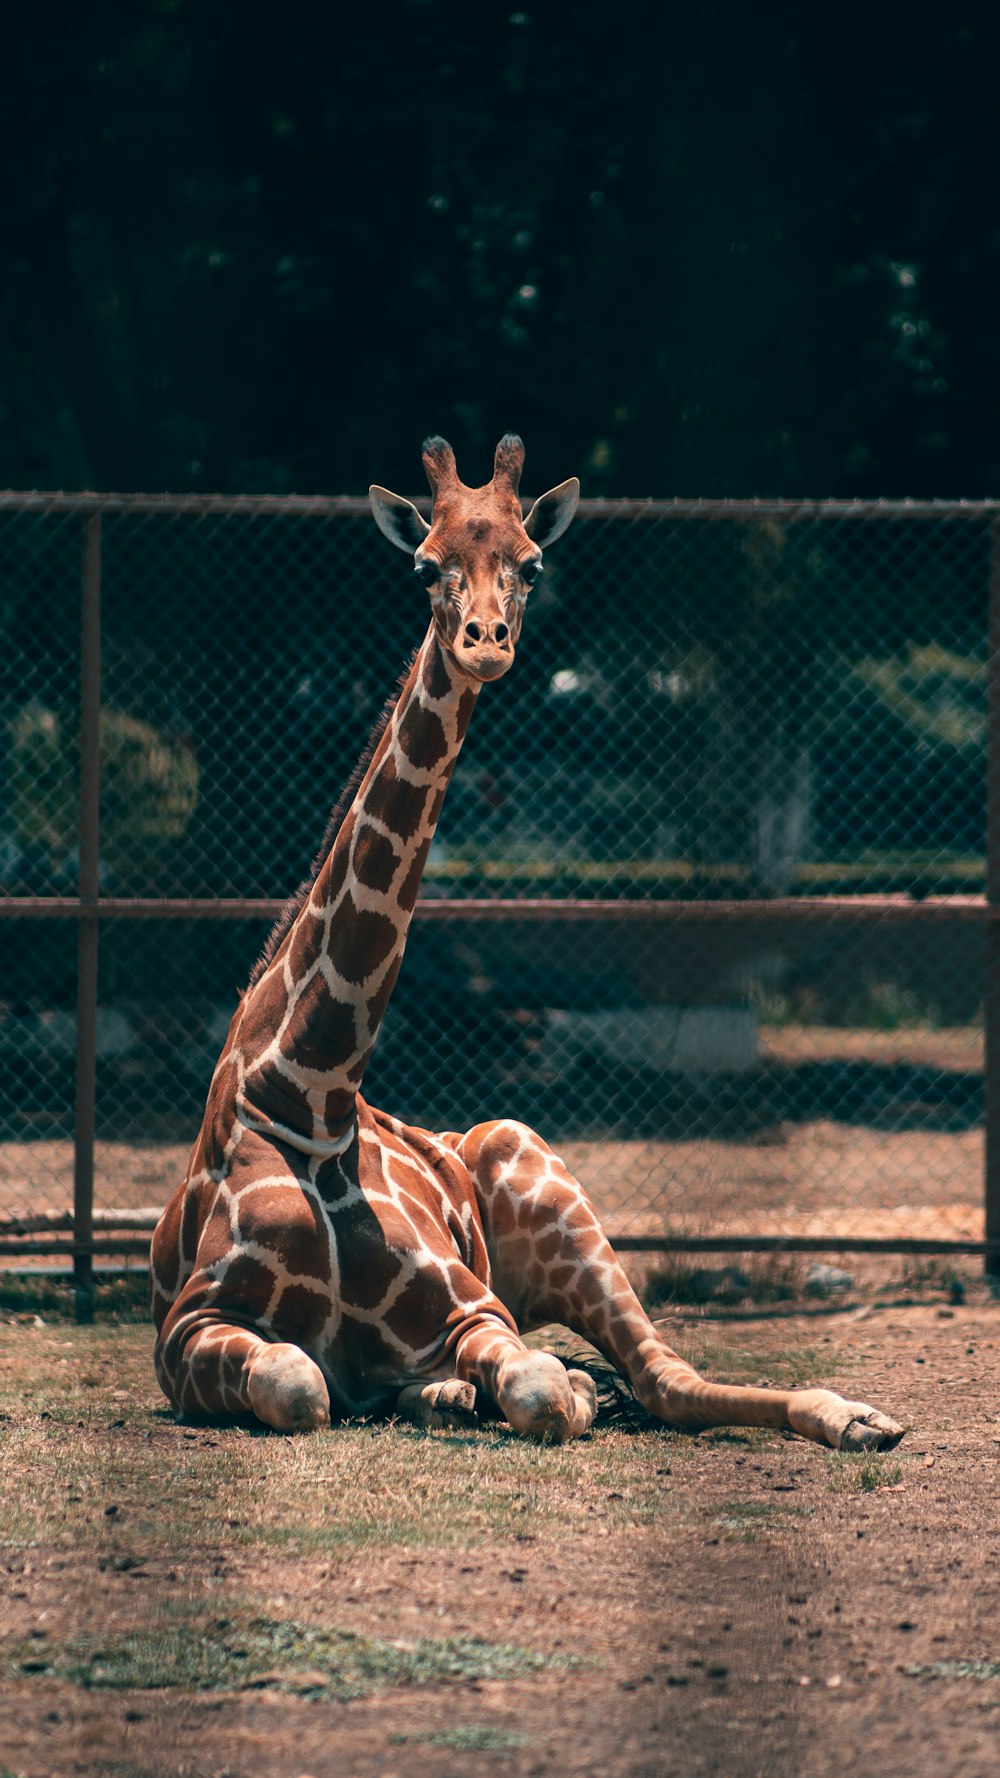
478 557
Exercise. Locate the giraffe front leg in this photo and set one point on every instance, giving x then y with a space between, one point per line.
225 1371
543 1399
534 1391
287 1390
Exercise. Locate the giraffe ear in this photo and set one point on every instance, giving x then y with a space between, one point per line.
398 519
552 513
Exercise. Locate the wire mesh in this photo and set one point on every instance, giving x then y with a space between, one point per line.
717 714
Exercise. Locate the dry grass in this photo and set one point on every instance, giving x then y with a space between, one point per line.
91 1458
738 1278
93 1468
721 1361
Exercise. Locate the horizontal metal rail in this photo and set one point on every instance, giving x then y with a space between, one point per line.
39 1222
793 1244
330 506
903 908
128 1244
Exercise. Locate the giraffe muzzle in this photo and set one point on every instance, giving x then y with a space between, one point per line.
485 649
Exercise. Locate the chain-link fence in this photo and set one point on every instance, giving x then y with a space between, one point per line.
706 903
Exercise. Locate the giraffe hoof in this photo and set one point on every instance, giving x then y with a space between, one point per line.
845 1425
874 1432
451 1406
288 1391
448 1406
585 1397
543 1400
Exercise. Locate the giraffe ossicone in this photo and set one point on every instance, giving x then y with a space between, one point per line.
320 1254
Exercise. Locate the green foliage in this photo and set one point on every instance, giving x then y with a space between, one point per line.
149 787
660 238
44 781
937 695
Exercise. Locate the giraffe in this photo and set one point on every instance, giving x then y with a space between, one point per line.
320 1253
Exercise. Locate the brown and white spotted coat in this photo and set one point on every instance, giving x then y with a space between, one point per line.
320 1252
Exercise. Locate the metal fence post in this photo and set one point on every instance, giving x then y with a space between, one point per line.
991 1006
87 927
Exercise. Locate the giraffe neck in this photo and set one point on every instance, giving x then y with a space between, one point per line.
309 1023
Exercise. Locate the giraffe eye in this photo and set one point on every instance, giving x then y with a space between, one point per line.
429 571
529 571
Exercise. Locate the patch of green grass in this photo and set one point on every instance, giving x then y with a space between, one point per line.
465 1738
977 1670
933 1273
863 1472
269 1654
745 1519
889 1006
750 1437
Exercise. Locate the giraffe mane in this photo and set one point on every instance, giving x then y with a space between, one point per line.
297 900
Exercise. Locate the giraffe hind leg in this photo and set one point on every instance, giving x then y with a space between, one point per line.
552 1262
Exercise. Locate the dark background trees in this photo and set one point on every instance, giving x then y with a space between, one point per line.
695 250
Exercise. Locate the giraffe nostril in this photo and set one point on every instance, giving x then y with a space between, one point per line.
472 633
501 633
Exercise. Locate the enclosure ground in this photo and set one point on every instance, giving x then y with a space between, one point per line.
883 1140
820 1178
373 1600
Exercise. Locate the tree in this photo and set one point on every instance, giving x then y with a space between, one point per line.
684 250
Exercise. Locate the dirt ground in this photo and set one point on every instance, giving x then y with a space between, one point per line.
638 1603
